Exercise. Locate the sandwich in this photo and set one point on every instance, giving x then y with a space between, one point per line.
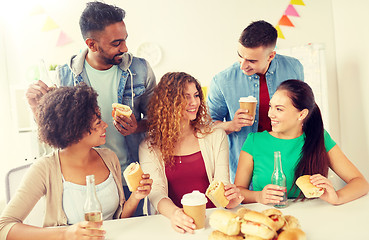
276 216
215 193
120 110
225 221
291 222
309 190
292 234
241 212
217 235
258 224
133 175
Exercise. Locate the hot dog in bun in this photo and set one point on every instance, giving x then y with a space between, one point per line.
291 222
120 110
225 221
292 234
218 235
215 193
257 224
276 216
133 175
309 190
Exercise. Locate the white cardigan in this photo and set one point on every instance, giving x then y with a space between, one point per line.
215 152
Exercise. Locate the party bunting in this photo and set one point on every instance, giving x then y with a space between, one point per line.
297 2
49 25
279 31
291 11
63 39
285 21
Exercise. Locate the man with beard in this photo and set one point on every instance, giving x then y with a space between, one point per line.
115 74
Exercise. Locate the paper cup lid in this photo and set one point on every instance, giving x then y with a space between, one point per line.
194 199
248 99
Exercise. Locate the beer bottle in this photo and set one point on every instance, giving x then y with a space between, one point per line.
92 207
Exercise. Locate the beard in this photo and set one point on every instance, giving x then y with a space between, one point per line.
108 60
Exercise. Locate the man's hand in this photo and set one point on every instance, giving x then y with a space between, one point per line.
35 92
241 119
126 125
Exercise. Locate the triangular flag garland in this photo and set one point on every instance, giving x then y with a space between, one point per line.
49 25
280 34
297 2
285 21
291 11
63 39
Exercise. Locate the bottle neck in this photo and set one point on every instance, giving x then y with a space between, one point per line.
277 162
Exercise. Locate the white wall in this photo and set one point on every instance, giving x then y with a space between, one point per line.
200 37
352 49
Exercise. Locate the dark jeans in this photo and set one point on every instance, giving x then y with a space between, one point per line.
139 210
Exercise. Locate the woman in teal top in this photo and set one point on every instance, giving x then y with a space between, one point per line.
306 148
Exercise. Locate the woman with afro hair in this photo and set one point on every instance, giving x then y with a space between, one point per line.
69 120
182 151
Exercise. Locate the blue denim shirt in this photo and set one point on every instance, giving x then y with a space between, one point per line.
132 70
229 85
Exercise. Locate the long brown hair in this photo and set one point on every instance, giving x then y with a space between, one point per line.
165 112
314 157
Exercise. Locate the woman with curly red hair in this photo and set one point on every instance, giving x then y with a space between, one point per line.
182 151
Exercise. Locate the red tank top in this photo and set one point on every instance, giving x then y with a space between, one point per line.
187 174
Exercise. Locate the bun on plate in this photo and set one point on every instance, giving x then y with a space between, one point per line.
276 216
215 193
258 224
225 221
120 110
133 175
292 234
291 222
241 212
309 190
217 235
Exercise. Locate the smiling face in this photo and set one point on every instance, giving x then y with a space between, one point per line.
193 102
255 60
110 44
97 135
286 120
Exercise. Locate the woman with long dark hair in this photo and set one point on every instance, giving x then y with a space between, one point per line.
306 149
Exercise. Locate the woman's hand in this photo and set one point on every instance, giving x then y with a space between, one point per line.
330 194
145 187
233 194
85 230
181 222
271 194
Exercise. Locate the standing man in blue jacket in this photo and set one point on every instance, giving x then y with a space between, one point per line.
115 74
257 73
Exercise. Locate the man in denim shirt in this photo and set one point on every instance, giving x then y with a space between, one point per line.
258 73
115 74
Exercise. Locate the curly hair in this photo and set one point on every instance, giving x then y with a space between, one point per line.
66 114
165 112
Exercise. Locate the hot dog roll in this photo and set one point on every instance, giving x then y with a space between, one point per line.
120 109
276 216
309 190
133 175
218 235
292 234
225 221
215 193
258 224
